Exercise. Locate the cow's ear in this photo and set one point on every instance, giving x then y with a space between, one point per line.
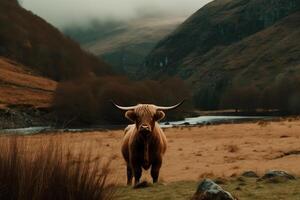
130 114
159 115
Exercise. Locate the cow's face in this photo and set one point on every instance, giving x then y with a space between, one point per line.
145 117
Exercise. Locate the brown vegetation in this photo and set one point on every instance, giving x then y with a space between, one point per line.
43 170
283 95
88 100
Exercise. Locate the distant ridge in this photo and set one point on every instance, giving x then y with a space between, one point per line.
124 44
32 41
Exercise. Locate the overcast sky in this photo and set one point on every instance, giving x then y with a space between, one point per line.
66 12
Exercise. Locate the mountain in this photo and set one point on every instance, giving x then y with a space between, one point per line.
28 39
232 45
124 44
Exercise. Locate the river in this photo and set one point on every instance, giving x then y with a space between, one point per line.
201 120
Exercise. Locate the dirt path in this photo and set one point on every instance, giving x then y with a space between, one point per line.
221 150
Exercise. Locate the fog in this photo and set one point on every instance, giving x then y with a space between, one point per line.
63 13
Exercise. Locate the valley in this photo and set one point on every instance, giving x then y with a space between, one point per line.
124 44
236 63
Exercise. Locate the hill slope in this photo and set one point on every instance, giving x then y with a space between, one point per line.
232 44
20 86
124 44
30 40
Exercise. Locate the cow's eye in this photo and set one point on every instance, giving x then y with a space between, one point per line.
138 120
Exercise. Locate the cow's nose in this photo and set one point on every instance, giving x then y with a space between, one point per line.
145 128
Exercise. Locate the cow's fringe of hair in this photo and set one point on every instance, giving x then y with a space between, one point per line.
145 110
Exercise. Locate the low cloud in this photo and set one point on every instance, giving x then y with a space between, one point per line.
63 13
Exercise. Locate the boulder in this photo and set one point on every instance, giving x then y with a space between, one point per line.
274 174
250 174
209 190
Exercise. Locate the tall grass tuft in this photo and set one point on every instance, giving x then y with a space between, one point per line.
49 172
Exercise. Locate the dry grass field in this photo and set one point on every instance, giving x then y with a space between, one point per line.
197 152
216 151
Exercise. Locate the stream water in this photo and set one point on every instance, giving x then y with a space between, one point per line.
202 120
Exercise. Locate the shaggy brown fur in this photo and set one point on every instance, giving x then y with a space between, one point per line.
144 142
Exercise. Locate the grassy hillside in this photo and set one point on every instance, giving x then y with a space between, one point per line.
124 44
20 86
234 48
30 40
263 66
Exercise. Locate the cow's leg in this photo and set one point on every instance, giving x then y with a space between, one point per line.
155 170
137 174
129 175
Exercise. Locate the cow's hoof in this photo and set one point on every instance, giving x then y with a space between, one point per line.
143 184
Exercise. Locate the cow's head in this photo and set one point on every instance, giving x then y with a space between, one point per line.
145 115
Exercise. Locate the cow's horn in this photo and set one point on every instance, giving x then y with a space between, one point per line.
123 107
169 107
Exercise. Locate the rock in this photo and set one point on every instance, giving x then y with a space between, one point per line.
277 176
278 173
250 174
209 190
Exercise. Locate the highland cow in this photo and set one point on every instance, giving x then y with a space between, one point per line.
144 142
